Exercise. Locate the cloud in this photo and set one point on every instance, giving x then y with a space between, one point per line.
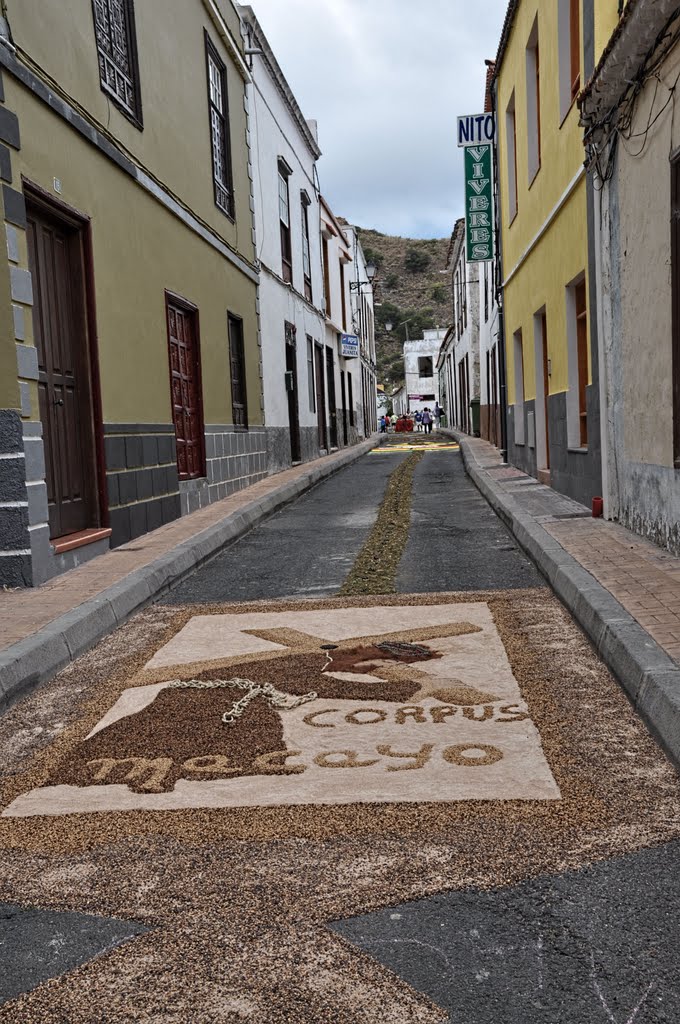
386 80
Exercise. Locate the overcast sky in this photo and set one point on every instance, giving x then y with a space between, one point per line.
386 80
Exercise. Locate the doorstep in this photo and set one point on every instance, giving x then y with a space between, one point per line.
71 541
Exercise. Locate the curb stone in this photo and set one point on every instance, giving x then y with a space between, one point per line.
648 675
37 658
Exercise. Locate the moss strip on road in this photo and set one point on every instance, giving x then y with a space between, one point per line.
375 570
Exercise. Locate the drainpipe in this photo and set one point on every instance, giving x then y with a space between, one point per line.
5 31
601 347
502 381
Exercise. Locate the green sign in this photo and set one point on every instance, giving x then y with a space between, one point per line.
479 203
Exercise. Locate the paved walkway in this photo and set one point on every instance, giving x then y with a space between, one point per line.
642 577
24 612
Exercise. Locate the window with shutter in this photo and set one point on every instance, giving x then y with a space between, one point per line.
219 130
114 26
239 400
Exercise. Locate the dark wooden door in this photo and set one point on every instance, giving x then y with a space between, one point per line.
292 392
546 387
56 260
332 410
185 385
320 396
494 397
344 407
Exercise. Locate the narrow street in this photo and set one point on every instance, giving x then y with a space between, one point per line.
362 766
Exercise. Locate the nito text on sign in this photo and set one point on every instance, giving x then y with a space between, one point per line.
476 130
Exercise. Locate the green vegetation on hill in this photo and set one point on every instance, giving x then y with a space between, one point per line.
409 286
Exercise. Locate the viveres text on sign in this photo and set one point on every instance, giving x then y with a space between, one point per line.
479 203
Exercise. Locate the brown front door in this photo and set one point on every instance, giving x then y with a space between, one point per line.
546 386
320 396
332 411
185 385
292 392
56 260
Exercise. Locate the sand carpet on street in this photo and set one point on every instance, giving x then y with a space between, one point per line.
236 777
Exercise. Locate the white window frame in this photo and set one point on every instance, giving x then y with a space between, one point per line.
518 365
532 59
511 149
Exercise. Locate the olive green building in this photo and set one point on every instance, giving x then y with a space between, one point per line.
130 378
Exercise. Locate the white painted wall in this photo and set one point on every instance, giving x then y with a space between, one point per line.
363 324
339 252
276 134
416 384
489 335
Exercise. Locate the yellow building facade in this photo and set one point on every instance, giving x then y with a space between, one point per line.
547 52
130 380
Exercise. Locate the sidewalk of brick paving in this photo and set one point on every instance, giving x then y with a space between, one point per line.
43 628
621 588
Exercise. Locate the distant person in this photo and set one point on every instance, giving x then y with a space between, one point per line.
419 420
383 425
427 420
437 414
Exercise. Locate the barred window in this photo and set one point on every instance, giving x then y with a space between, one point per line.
114 25
306 259
237 361
219 130
284 222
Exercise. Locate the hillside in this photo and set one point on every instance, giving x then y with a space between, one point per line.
409 286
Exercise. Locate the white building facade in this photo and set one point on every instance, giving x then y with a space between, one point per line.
459 360
363 327
489 354
287 237
634 245
420 370
337 373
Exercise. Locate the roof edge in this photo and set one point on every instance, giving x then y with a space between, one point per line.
249 17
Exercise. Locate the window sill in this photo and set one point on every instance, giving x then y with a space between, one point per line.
225 213
582 450
568 111
134 119
536 174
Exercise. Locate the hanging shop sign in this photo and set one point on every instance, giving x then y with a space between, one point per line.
350 346
479 203
476 130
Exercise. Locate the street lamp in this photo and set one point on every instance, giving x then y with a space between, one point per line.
389 326
371 271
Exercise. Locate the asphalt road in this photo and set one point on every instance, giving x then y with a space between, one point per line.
585 947
456 541
305 549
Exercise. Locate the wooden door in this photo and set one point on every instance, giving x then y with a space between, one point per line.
343 394
546 386
332 410
494 398
56 260
292 392
320 396
582 351
185 388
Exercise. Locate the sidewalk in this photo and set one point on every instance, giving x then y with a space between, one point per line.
623 590
43 628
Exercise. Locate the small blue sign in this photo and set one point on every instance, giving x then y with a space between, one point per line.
350 346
